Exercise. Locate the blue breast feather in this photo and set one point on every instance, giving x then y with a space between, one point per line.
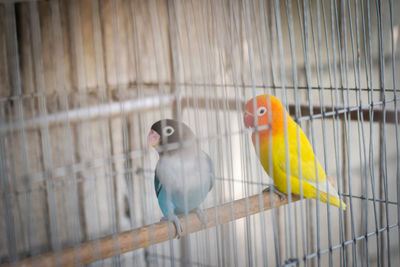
173 203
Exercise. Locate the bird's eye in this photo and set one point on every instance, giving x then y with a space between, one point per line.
261 111
168 130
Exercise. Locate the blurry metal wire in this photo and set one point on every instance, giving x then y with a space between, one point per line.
219 54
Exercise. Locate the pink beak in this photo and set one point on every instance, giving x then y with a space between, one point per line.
153 138
248 120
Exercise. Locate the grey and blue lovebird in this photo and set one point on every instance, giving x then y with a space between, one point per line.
184 173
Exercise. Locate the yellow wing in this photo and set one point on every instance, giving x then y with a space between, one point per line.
307 159
309 167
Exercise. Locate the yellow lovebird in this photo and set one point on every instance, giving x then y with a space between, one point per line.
268 112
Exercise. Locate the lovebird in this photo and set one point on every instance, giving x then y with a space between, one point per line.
268 114
184 173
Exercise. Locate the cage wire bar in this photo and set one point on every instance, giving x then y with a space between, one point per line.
81 83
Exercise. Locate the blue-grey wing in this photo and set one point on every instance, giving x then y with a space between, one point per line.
157 185
165 205
211 171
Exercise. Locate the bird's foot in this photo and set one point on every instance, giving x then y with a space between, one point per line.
292 262
175 220
272 188
202 216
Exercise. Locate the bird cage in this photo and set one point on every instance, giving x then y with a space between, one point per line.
83 81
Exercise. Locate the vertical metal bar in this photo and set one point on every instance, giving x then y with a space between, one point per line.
22 236
222 127
336 127
15 83
285 123
218 195
186 241
138 76
250 52
207 70
219 35
382 140
128 122
301 26
371 149
295 84
396 117
233 21
366 169
361 141
263 43
262 47
342 45
12 30
347 126
310 222
124 120
322 98
342 144
37 66
252 62
59 82
308 81
174 35
270 26
100 78
381 189
327 43
5 194
5 189
72 191
10 45
155 34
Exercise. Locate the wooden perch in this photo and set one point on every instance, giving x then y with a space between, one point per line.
152 234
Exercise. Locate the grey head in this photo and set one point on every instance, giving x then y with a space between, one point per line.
167 135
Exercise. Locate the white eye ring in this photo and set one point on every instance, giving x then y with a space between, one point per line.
168 130
261 111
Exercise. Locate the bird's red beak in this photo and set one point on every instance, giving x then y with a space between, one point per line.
153 138
248 120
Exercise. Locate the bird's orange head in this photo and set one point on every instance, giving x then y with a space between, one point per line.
265 111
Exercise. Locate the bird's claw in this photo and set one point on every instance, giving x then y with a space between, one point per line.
175 220
272 188
202 216
291 262
178 226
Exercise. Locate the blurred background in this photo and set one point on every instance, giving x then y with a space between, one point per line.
81 83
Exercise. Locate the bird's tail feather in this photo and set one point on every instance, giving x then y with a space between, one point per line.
333 200
323 195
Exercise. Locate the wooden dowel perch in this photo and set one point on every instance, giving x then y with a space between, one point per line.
153 234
